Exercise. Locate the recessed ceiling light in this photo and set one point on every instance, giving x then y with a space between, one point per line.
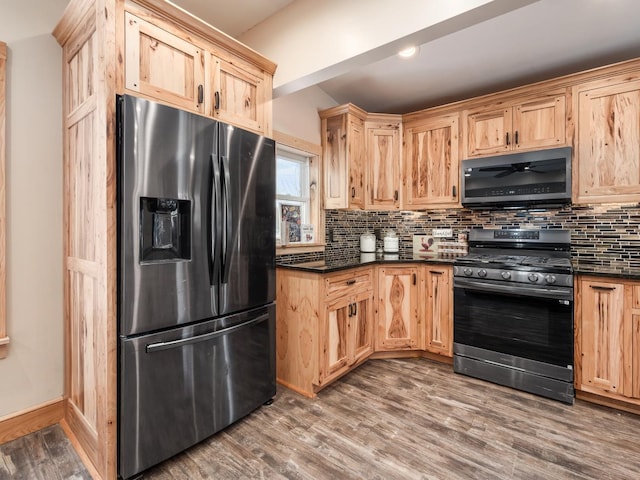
408 52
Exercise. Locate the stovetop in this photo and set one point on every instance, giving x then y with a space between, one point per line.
551 264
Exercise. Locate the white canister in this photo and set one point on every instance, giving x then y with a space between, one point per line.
391 242
368 242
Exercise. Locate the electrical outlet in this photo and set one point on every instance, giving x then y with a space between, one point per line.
442 232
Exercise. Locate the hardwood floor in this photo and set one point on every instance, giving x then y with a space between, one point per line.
391 419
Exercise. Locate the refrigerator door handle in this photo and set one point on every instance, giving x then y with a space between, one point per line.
159 346
215 232
228 226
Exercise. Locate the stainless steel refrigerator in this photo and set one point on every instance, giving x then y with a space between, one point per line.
196 279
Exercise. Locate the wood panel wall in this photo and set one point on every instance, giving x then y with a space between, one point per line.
87 34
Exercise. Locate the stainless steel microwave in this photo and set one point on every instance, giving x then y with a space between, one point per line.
519 180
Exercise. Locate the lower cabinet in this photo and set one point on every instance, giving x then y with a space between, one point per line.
324 326
607 324
438 309
329 323
397 300
348 334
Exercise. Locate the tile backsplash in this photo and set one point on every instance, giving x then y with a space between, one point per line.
601 235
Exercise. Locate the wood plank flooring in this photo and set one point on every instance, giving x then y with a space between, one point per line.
392 419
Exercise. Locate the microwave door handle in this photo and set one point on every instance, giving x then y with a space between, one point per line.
159 346
510 289
214 227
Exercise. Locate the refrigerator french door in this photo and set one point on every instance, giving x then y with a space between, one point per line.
196 270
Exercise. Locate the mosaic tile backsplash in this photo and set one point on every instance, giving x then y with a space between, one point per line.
601 235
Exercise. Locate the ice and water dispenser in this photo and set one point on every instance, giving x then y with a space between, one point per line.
165 230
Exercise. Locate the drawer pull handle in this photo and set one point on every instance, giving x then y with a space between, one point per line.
597 287
435 272
351 282
355 309
414 278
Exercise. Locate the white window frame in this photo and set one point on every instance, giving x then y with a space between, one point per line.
315 213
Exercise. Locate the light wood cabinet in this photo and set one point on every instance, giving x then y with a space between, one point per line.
397 308
533 124
239 94
343 150
163 66
607 335
607 157
383 163
431 162
324 326
174 68
438 310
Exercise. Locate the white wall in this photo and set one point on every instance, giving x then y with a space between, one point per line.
297 114
32 373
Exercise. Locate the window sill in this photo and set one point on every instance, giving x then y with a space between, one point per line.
290 248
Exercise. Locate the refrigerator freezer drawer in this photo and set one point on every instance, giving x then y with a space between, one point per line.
181 386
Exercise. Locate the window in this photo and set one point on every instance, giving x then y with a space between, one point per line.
298 189
292 191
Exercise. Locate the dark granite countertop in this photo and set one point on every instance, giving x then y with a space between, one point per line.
335 265
622 272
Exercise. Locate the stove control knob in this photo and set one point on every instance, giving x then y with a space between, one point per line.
468 272
533 277
550 279
506 275
482 273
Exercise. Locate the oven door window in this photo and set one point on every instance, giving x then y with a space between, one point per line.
529 325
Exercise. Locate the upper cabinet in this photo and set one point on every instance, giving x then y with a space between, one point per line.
607 156
343 150
163 66
169 65
431 162
383 166
238 94
536 123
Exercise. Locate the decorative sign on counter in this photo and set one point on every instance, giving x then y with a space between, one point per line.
425 245
307 233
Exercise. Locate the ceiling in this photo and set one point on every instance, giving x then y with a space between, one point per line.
541 40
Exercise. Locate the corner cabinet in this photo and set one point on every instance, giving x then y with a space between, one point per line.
431 162
324 326
383 169
607 158
536 123
148 48
343 150
608 340
397 308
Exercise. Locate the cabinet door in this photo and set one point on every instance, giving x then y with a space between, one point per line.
163 66
397 309
431 163
383 166
489 132
237 95
334 148
355 161
439 310
336 349
361 324
608 143
603 337
539 123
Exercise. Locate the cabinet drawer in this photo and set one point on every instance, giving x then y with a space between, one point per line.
348 283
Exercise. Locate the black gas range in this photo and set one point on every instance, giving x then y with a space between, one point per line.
513 310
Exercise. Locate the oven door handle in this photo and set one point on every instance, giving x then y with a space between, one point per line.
520 289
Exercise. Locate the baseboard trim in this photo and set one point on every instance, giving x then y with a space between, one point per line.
88 464
30 420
